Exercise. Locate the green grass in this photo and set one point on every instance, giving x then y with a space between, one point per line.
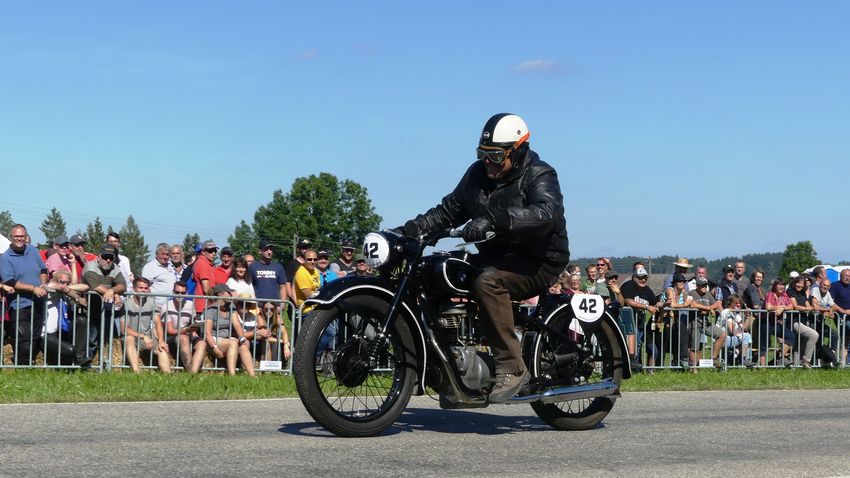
39 386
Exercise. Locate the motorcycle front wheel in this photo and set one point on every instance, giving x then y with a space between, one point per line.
347 390
602 359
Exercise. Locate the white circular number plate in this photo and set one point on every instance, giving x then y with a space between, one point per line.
588 307
376 249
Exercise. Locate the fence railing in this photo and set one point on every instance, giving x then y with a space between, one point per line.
138 331
681 338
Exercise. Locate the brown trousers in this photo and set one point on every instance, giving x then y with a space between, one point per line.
494 290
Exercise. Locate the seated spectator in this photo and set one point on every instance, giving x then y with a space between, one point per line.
705 305
182 334
732 321
63 326
143 332
221 318
251 329
278 332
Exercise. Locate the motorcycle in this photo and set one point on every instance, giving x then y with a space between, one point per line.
370 342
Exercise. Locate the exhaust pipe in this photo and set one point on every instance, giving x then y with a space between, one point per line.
605 388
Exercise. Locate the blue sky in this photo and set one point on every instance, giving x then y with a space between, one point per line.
699 129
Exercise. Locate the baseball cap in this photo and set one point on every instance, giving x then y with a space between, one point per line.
209 244
77 239
360 257
226 250
218 289
610 274
641 272
728 268
347 246
60 239
266 243
108 249
701 281
794 274
322 253
304 244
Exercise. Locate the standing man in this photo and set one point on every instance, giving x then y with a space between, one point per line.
23 270
222 271
122 261
840 292
345 263
740 281
295 264
727 285
644 303
509 193
323 266
105 278
203 274
178 264
269 277
160 274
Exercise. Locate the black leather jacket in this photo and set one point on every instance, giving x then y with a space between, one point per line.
526 208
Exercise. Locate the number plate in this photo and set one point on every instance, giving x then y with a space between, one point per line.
588 307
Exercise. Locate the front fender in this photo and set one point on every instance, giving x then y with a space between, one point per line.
339 289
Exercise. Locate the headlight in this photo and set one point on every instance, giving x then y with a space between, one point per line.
376 249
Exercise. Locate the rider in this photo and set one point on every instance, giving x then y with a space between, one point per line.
509 191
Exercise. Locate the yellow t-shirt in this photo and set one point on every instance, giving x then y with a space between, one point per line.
304 279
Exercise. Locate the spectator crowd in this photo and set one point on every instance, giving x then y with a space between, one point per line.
209 306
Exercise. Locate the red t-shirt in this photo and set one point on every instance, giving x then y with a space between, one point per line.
221 274
202 269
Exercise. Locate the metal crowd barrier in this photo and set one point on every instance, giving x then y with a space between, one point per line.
665 339
93 336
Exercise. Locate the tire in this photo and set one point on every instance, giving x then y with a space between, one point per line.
340 390
606 351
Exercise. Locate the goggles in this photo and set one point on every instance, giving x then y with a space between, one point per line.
495 156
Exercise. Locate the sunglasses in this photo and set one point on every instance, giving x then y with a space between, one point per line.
311 259
107 257
495 156
212 250
63 282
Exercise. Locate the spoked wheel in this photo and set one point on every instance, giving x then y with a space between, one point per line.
352 382
598 359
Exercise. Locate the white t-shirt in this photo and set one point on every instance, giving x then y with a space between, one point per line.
823 301
241 287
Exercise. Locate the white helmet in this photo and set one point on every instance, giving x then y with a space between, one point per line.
504 130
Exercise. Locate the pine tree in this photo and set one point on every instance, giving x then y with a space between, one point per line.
53 226
189 243
133 246
6 223
243 241
95 235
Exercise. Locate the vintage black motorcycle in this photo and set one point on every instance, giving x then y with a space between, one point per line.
370 342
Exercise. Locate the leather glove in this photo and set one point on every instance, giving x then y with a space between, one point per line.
477 230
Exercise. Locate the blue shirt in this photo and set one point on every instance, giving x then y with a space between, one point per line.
327 276
26 268
267 279
840 294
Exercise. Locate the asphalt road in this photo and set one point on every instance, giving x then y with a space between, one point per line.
775 433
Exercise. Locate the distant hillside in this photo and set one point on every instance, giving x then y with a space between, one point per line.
769 262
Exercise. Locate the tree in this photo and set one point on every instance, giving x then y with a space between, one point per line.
6 223
133 246
53 226
243 240
321 208
95 236
798 257
189 243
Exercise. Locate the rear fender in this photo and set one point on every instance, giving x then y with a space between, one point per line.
335 291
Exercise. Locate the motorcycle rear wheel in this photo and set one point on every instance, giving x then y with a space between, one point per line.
580 414
340 389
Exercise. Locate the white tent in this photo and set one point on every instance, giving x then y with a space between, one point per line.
4 243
